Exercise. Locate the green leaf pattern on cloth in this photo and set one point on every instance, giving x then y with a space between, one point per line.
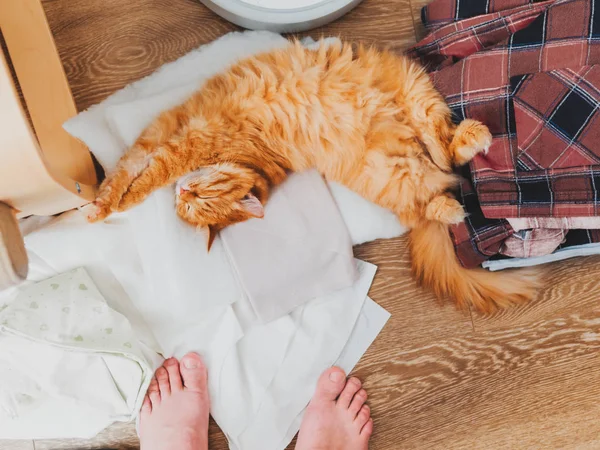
68 313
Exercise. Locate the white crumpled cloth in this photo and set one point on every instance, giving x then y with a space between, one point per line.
155 270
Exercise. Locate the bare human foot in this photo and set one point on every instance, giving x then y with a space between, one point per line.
175 411
337 417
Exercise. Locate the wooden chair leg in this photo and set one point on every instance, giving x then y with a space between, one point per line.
13 257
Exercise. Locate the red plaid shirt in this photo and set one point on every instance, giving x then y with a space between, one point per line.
527 70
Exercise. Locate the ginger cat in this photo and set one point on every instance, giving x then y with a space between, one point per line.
368 119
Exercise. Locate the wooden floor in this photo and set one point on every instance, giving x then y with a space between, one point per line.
437 378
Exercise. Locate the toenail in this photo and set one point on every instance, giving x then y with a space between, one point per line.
355 381
336 376
190 363
170 361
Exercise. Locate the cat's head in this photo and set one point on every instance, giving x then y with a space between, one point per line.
214 197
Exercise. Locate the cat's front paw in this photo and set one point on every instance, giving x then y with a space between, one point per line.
99 212
107 200
470 138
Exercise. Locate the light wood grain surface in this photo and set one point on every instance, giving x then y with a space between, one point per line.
106 44
120 436
528 378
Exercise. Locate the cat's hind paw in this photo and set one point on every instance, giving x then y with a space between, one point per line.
445 210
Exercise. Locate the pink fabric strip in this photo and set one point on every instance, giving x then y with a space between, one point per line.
567 223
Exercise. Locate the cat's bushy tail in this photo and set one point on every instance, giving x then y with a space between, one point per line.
436 266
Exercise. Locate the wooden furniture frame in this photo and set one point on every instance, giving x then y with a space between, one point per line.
43 170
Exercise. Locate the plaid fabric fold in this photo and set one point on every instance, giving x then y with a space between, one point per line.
441 12
477 239
446 45
554 147
497 86
528 71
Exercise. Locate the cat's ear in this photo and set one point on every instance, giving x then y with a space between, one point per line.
213 230
210 232
253 206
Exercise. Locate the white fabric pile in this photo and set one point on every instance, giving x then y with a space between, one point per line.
154 269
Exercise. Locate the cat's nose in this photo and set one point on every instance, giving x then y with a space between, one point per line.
182 190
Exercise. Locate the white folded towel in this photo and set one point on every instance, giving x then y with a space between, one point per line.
298 251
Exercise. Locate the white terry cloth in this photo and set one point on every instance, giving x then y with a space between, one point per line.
298 251
69 364
365 221
191 302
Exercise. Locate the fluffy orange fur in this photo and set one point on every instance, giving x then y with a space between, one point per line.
368 119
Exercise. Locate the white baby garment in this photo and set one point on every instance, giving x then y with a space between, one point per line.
69 364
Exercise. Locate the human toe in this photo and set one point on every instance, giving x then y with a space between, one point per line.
363 417
193 373
154 393
367 430
330 385
353 385
358 401
172 367
162 376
